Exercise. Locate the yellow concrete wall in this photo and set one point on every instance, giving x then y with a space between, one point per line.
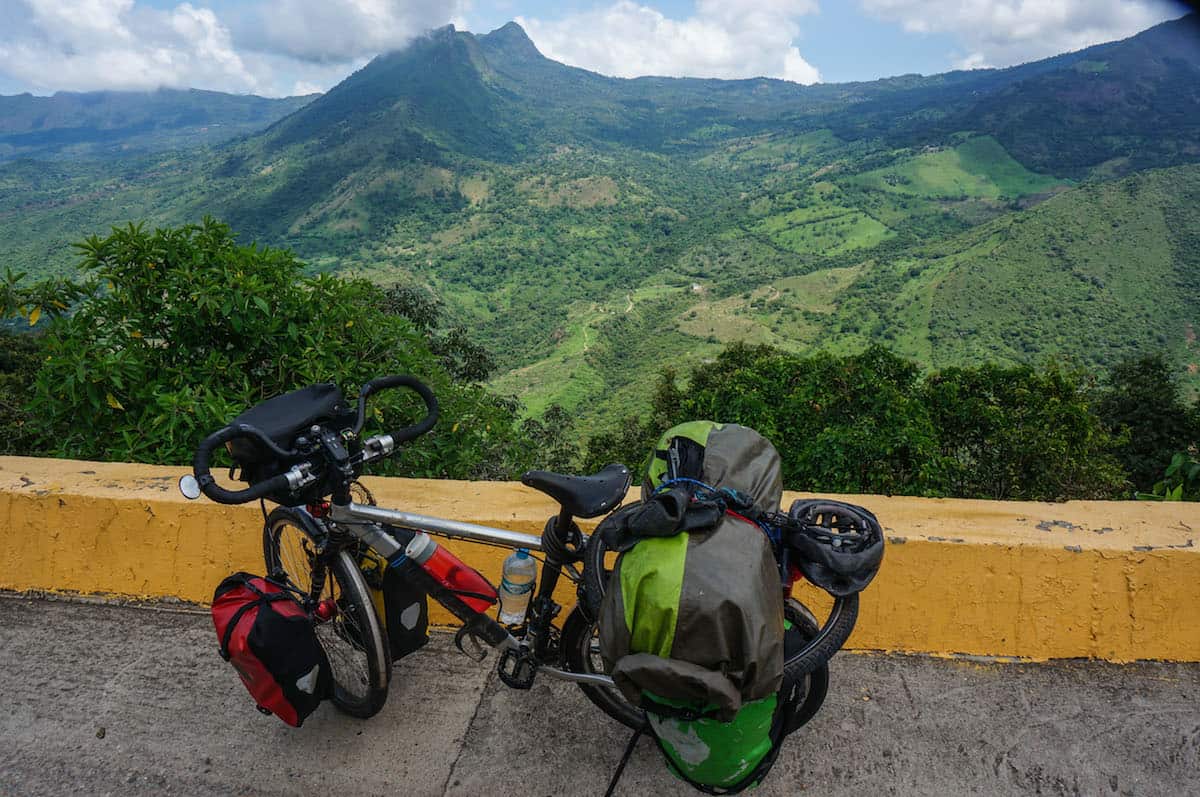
1118 581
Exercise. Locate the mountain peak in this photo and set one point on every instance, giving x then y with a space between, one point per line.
512 41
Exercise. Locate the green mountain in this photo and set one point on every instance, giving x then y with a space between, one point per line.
591 230
108 123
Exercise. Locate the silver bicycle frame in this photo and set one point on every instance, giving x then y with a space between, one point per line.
454 529
360 520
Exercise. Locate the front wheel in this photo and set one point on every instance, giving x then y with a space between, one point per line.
296 547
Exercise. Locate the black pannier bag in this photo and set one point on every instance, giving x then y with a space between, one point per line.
283 419
403 607
272 642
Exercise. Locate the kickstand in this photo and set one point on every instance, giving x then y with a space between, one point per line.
633 740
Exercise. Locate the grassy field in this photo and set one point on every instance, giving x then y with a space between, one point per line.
978 168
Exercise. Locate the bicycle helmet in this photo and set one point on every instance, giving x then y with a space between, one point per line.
840 545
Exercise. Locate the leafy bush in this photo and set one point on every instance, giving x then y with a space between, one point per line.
20 357
183 328
851 424
1144 404
1180 482
869 423
1020 432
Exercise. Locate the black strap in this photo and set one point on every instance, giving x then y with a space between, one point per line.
676 712
633 740
237 618
466 593
263 597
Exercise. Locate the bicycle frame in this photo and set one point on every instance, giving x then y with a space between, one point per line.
369 524
453 529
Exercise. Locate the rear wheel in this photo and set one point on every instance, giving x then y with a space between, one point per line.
809 686
580 652
347 626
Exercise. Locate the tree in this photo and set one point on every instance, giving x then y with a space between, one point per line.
462 357
20 357
1021 433
842 424
182 329
871 423
1143 404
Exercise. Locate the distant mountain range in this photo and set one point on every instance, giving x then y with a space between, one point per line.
592 229
109 123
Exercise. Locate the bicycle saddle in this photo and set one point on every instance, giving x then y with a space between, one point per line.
583 496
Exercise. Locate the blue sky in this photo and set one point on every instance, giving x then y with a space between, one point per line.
279 47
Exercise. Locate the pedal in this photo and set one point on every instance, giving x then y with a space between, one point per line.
516 669
477 652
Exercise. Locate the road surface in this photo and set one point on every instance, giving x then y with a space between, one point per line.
104 699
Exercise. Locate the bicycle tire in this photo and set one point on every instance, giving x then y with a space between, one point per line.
828 641
354 639
816 683
578 633
576 646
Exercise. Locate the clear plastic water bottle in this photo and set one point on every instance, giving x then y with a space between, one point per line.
516 586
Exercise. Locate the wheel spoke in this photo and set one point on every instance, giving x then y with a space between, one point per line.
348 635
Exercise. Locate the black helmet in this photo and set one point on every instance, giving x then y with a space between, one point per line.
839 545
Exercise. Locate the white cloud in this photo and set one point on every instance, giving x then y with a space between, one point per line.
339 30
302 88
1007 32
722 38
271 47
972 61
113 44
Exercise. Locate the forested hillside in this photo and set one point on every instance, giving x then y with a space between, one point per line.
591 230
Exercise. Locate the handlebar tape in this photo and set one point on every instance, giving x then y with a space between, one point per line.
201 466
201 462
420 388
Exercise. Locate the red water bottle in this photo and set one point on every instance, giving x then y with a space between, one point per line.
452 572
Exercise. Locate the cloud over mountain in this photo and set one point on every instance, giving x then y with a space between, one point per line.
722 38
1007 32
268 46
339 30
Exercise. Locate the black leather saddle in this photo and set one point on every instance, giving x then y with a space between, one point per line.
583 496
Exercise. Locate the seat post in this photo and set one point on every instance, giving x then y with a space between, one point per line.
544 608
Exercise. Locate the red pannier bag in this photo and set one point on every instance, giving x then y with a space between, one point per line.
271 641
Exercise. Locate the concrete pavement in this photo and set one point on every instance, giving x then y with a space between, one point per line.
102 699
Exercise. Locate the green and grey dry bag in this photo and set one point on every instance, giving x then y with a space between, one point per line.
692 623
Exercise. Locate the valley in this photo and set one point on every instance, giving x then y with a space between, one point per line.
591 231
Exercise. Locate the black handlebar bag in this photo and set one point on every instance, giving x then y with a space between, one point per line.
284 419
271 641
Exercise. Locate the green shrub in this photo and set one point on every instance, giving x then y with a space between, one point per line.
1019 432
870 423
1180 481
851 424
1143 403
184 329
21 355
